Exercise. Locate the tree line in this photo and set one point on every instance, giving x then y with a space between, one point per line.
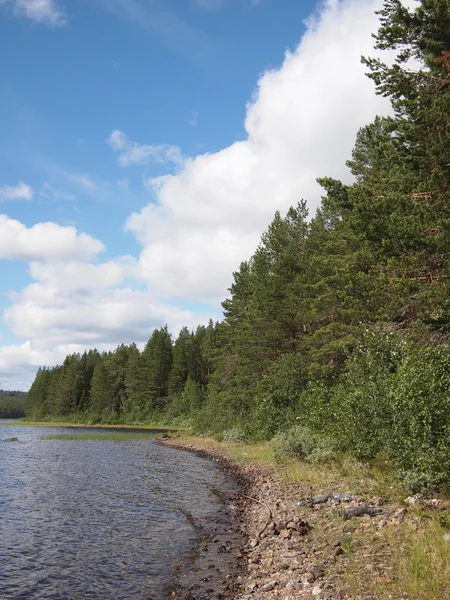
12 404
335 334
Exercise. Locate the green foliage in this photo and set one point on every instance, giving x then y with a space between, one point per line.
12 404
361 404
443 519
300 442
275 400
234 436
419 441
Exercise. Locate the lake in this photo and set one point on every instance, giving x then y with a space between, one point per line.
111 518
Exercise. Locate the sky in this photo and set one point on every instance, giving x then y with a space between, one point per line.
145 146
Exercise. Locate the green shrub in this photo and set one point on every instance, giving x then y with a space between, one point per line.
275 400
361 403
234 435
301 442
418 443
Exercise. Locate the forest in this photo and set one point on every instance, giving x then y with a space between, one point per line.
12 404
335 334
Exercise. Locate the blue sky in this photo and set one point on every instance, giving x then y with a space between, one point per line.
144 147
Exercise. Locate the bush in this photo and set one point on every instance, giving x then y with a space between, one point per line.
301 442
418 443
361 402
276 396
234 435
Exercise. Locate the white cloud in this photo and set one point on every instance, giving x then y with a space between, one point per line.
44 241
301 124
40 11
50 191
21 191
84 181
74 307
134 153
74 303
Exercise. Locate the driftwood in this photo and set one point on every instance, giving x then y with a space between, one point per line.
359 511
330 497
269 518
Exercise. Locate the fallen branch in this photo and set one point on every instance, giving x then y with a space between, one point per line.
359 511
258 535
331 496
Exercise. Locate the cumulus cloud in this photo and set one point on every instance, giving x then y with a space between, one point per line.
44 241
40 11
21 191
134 153
65 312
74 302
301 124
208 216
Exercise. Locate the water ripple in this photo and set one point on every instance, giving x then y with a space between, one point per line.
91 519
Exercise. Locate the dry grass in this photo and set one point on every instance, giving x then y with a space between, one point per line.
425 567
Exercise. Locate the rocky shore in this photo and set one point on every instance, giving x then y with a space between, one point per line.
291 541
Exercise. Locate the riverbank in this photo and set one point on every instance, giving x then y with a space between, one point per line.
332 533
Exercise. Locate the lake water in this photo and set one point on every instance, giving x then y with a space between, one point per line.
89 519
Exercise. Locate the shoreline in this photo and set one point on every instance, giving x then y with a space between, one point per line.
302 541
292 530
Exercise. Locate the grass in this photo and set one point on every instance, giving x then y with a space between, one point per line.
425 567
118 436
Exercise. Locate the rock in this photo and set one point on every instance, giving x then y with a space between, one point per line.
447 537
318 571
382 523
416 499
270 586
12 439
310 577
356 544
316 590
291 585
291 525
285 533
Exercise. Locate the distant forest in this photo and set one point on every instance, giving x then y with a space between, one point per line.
12 404
335 337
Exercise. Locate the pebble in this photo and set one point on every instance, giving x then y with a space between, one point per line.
316 590
270 586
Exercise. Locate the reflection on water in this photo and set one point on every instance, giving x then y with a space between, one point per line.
82 519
